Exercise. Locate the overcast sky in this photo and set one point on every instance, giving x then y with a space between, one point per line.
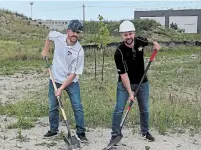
110 10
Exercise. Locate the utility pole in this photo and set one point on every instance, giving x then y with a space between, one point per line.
31 3
83 14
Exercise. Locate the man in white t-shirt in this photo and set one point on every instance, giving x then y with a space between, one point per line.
68 63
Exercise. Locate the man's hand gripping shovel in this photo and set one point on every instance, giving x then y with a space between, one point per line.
72 142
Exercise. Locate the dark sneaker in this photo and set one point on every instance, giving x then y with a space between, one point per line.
82 138
50 133
148 136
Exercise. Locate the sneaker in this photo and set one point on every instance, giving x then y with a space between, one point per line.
148 136
50 133
82 138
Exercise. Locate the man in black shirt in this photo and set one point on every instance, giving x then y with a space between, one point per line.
129 60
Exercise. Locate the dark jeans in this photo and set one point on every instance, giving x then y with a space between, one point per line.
143 103
73 90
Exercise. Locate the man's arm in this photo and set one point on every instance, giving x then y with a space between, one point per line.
77 68
121 69
68 81
145 42
46 47
154 44
52 36
126 83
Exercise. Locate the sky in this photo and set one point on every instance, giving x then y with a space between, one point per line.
110 10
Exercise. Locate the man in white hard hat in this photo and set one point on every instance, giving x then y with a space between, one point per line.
129 60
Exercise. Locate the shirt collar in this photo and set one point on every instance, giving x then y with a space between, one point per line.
74 47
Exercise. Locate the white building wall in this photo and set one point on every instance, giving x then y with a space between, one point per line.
189 23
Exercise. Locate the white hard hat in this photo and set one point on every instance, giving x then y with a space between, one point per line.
126 26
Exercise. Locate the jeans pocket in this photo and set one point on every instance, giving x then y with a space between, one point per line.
120 86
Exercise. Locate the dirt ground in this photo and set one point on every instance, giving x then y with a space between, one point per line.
98 139
13 87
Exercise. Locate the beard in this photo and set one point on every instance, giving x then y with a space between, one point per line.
73 39
129 41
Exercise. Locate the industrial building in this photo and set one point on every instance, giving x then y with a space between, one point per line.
188 19
59 25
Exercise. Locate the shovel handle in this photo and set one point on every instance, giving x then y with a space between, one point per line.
131 102
153 55
51 76
58 97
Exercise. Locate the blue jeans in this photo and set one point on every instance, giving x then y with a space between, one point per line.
143 104
73 90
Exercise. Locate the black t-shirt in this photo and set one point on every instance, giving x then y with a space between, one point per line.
131 61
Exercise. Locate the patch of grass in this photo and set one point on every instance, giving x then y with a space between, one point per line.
179 114
26 66
174 93
178 51
41 144
24 123
34 106
51 144
22 138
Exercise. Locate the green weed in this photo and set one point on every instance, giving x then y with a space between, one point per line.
174 93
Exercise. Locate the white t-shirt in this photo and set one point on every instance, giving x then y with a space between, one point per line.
66 59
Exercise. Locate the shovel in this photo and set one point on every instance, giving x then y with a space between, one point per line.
119 137
72 142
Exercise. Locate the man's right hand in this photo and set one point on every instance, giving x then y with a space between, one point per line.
131 97
44 54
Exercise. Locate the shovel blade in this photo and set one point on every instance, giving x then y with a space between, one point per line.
67 141
73 143
113 142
